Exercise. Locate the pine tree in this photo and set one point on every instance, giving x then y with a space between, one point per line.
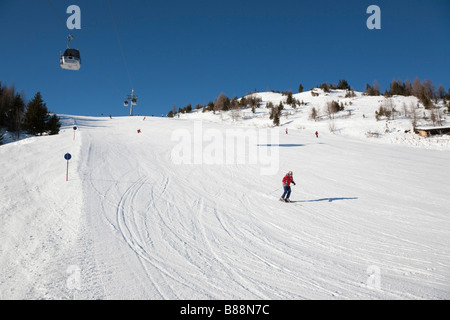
290 98
6 98
275 113
276 117
53 125
210 106
325 87
372 90
15 114
343 85
36 116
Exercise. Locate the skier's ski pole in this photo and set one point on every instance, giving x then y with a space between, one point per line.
274 191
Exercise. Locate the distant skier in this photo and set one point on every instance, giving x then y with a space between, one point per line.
317 134
286 131
287 180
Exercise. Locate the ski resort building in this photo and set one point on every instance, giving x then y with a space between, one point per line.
431 131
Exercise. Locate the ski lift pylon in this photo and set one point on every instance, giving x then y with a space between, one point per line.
131 100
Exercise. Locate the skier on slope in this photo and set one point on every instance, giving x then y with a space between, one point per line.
287 180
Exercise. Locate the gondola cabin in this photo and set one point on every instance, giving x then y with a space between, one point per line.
71 60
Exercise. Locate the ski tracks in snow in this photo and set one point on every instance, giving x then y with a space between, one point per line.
196 232
130 227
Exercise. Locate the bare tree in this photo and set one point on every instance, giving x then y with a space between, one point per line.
408 87
329 111
235 110
436 116
433 116
331 108
405 109
417 88
414 115
429 89
441 92
313 114
221 103
439 117
332 125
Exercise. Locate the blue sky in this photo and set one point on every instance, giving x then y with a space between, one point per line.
180 52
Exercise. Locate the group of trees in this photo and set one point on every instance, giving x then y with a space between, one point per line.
372 90
342 85
331 108
33 117
425 91
275 112
389 110
221 103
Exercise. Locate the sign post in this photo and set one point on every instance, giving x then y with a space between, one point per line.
74 130
67 156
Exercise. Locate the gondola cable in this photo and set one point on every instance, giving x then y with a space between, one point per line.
120 44
131 100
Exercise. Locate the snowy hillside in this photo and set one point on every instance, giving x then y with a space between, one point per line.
369 220
357 120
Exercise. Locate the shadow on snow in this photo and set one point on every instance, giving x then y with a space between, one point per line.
328 199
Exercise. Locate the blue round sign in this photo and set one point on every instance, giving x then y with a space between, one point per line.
75 128
67 156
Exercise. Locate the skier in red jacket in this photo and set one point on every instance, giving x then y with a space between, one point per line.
287 180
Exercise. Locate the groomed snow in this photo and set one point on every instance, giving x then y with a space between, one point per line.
370 220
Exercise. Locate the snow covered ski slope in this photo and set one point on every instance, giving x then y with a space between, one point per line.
131 223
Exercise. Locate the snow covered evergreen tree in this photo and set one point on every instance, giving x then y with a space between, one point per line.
37 119
36 116
53 125
15 114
